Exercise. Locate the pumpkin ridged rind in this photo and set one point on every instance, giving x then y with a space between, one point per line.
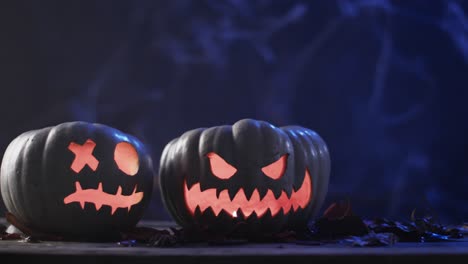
35 178
248 145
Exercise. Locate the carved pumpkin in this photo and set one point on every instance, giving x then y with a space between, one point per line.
250 174
76 180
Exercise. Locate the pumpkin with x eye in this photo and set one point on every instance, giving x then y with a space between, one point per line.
77 180
251 174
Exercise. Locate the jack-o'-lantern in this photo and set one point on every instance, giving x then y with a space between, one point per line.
77 180
265 178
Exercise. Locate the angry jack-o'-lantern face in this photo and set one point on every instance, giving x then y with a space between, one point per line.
77 180
221 200
251 173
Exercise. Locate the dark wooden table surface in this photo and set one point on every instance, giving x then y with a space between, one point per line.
73 252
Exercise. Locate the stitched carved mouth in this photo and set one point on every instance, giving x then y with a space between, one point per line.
194 198
99 198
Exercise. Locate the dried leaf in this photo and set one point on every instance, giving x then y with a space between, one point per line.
405 232
142 234
418 230
10 236
340 224
151 237
373 240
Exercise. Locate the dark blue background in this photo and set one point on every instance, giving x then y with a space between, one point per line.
383 82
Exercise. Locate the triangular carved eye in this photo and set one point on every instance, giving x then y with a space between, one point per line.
276 169
219 167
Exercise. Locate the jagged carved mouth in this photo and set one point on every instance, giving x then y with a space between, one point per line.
99 198
194 198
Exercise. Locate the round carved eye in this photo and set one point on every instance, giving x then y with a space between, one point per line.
219 167
126 158
276 169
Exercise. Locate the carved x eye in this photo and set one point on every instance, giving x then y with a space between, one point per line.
83 155
276 169
219 167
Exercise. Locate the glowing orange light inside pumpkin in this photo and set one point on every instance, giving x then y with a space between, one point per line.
126 158
83 156
219 167
99 198
194 198
276 169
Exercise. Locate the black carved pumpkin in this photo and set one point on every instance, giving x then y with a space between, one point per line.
251 174
77 180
